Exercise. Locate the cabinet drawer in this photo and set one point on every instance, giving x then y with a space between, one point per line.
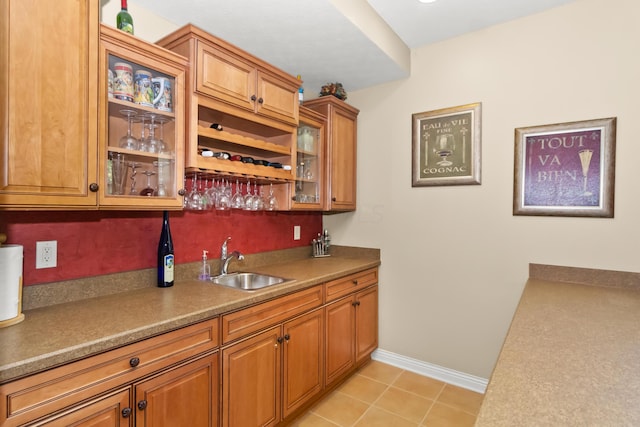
253 319
41 394
352 283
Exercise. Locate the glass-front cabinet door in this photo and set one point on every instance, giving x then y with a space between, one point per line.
308 187
142 97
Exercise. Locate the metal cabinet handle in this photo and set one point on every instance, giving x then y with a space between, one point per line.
126 412
142 405
134 361
93 187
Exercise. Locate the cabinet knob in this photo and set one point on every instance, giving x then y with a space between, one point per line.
280 340
260 101
182 191
134 361
333 199
355 303
355 282
93 187
126 412
286 337
142 405
253 97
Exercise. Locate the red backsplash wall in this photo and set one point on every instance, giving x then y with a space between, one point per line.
92 243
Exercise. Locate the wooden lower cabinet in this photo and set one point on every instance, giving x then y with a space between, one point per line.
180 367
251 381
366 325
303 360
111 410
278 358
351 332
184 396
269 375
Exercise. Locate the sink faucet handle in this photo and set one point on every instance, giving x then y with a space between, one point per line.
223 250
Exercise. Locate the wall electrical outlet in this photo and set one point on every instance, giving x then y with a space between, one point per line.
296 232
47 254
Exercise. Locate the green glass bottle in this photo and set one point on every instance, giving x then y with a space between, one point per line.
124 21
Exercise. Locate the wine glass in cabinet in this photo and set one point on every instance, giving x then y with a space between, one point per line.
142 95
307 191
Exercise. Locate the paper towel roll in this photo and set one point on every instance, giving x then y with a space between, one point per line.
10 281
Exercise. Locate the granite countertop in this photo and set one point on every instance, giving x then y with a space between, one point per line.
53 335
572 354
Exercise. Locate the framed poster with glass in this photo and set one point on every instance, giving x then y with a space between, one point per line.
565 169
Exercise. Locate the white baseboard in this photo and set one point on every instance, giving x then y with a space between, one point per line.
460 379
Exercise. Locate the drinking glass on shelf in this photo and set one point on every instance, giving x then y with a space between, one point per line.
162 166
162 146
129 141
142 141
148 190
134 173
153 143
119 172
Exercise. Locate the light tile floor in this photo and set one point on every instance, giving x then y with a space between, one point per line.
386 396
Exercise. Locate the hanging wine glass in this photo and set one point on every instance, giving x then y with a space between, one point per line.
223 202
194 199
237 200
129 141
272 200
248 198
256 203
148 190
212 194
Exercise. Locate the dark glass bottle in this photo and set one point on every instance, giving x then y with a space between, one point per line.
124 21
165 255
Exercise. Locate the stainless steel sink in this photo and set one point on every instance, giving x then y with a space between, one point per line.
247 281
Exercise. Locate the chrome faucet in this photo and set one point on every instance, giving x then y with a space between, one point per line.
226 259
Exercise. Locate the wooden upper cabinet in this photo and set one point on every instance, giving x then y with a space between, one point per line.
158 176
341 152
225 76
239 83
48 107
254 103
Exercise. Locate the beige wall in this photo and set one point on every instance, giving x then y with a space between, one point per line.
455 259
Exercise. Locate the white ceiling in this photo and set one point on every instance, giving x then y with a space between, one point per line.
341 40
